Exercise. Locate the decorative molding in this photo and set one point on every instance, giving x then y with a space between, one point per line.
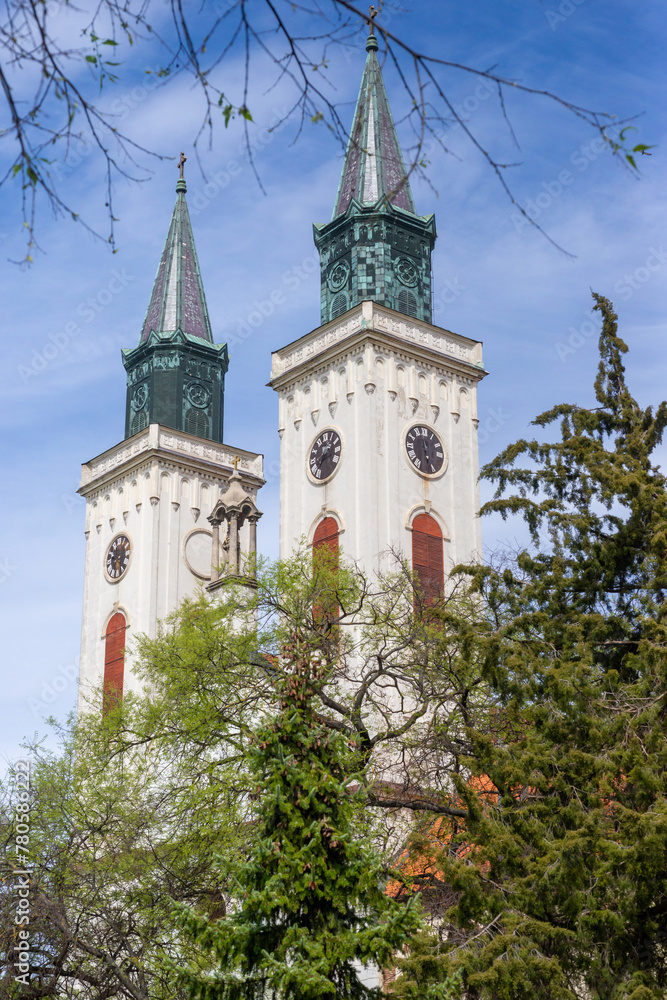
426 507
156 438
326 511
369 316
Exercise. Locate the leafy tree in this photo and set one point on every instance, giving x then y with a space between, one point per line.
133 813
559 871
309 903
113 841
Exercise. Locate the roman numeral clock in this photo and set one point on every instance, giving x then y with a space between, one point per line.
377 406
325 454
425 450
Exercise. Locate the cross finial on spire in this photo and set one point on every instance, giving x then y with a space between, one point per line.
235 463
181 164
371 41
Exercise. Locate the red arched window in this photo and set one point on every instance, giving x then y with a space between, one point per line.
325 552
427 556
114 661
326 534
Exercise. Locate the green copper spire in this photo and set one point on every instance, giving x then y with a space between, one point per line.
374 166
176 376
376 246
178 301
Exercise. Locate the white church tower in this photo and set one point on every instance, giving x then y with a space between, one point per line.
156 502
377 406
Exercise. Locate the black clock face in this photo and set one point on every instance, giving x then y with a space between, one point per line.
118 557
325 455
425 450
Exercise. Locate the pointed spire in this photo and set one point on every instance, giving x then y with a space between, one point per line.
374 165
178 301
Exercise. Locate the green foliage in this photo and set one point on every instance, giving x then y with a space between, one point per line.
114 838
309 899
424 972
559 876
619 147
133 813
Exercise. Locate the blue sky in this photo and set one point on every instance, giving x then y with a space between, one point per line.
496 278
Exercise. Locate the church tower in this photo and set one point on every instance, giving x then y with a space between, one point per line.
156 502
176 375
376 246
377 406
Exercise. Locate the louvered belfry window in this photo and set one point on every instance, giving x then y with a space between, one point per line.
114 661
407 303
339 305
427 557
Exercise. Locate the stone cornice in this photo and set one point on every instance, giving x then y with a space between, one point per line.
425 342
205 457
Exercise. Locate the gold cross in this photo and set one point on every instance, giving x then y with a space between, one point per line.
235 463
373 14
181 163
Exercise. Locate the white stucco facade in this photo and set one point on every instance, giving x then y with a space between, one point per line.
371 375
156 488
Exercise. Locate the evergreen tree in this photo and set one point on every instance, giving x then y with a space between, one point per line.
309 902
560 874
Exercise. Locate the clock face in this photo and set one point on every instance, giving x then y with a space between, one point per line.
325 454
425 450
118 557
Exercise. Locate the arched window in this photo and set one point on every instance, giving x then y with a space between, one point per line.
427 557
325 557
114 661
339 305
407 303
326 536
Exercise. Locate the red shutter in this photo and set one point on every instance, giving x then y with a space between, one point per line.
326 533
325 547
427 556
114 661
